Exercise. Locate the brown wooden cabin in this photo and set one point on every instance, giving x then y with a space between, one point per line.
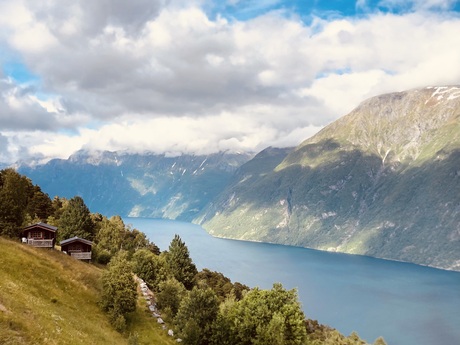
40 235
77 247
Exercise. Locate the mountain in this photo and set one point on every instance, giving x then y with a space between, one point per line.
382 181
138 185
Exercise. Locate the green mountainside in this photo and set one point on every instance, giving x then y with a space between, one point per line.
382 181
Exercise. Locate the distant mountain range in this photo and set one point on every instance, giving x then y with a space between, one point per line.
382 181
136 185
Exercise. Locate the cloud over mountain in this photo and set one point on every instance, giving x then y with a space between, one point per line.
176 76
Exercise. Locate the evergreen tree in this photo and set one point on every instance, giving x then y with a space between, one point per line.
14 194
76 220
39 205
180 264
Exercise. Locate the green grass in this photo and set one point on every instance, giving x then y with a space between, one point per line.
146 327
47 297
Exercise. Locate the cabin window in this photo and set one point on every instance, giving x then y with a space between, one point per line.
36 234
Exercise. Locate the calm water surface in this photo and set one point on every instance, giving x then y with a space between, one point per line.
406 304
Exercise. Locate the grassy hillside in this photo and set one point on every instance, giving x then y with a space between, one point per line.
47 297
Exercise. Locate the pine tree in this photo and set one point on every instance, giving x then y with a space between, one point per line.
14 195
180 264
39 204
76 220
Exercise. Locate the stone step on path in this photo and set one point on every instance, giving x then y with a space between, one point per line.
151 305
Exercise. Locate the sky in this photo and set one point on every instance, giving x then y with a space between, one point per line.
203 76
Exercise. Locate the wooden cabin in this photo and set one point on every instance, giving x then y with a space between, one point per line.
77 247
40 235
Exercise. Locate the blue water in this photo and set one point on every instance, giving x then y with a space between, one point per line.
406 304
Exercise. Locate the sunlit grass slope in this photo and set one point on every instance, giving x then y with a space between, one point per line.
47 297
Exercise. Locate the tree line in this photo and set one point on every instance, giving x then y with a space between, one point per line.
22 203
205 308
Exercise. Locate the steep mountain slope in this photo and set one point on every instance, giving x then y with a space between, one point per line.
382 181
138 185
250 172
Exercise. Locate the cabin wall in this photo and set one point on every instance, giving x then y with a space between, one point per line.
76 247
39 234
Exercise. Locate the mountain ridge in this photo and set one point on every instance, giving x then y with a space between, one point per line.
366 184
138 185
381 181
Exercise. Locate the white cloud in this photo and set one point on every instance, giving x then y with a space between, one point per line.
169 78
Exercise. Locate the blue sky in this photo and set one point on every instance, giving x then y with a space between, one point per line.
201 76
306 9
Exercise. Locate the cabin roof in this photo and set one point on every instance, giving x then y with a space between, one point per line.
75 239
42 226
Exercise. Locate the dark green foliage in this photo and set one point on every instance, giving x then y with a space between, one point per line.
119 293
76 220
197 312
180 264
221 285
57 205
101 256
146 265
134 240
318 334
112 235
169 296
39 204
20 200
223 328
13 201
263 317
118 321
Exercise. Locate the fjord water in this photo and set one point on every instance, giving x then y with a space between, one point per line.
406 304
